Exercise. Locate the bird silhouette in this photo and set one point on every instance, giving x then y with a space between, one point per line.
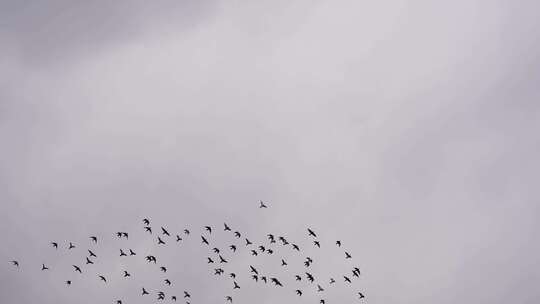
160 241
269 251
204 240
310 277
55 245
131 252
168 282
77 268
233 248
122 253
148 229
228 298
248 242
295 247
151 258
338 243
263 278
347 279
317 244
226 228
322 301
347 255
298 278
283 263
126 274
68 282
236 286
173 298
15 263
146 221
186 231
144 292
299 292
94 239
71 246
276 282
178 238
222 260
215 249
88 261
103 278
262 205
361 296
232 275
237 234
261 248
118 301
319 288
254 252
165 232
255 277
332 281
210 260
92 254
208 228
311 233
253 270
163 269
43 267
186 295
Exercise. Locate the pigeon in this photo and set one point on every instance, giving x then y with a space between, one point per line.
310 277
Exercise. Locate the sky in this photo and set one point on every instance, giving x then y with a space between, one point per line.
406 129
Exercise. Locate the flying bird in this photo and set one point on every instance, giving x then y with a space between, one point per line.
332 281
210 260
68 282
71 246
361 296
215 249
165 232
255 277
88 261
236 286
43 267
126 274
295 247
299 292
338 243
144 292
186 295
310 277
262 205
298 278
93 239
269 251
276 282
311 233
205 241
178 238
160 241
77 268
173 298
122 253
148 229
237 234
248 242
319 288
283 263
233 248
55 245
208 228
186 231
103 278
317 244
347 279
263 278
222 260
252 269
228 298
253 252
131 252
347 255
162 268
15 263
232 275
146 221
168 282
91 253
226 228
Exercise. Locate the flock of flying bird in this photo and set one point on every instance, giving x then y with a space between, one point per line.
254 273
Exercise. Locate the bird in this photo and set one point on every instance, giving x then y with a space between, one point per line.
144 292
126 274
322 301
298 278
237 234
15 263
186 231
71 246
233 248
118 301
270 236
210 260
299 292
91 253
165 232
276 282
163 269
205 241
122 253
43 267
103 278
255 277
338 243
55 245
148 229
173 298
186 295
252 269
151 258
361 296
311 233
131 252
168 282
93 239
262 205
319 288
208 228
355 274
253 252
356 269
269 251
228 298
347 255
161 295
263 278
261 248
68 282
178 238
77 268
218 271
160 241
317 244
295 247
332 281
283 263
222 260
232 275
119 234
88 261
146 221
226 228
306 263
236 286
215 249
310 277
248 242
347 279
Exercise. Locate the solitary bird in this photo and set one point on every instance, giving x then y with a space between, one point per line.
232 275
255 277
103 278
77 268
269 251
173 298
361 296
319 288
15 263
126 274
205 241
262 205
186 231
178 238
215 249
332 281
68 282
299 292
151 258
71 246
43 267
253 252
263 278
283 263
160 241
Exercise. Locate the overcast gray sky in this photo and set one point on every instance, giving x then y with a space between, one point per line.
407 129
